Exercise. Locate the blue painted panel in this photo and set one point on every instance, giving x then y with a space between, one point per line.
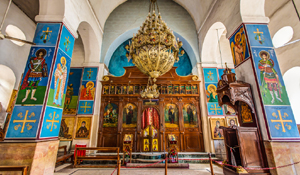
24 122
281 122
42 56
46 34
269 77
214 108
90 74
74 79
66 42
51 122
239 46
211 92
210 75
259 35
56 96
184 65
85 107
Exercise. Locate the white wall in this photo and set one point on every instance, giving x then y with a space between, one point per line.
12 55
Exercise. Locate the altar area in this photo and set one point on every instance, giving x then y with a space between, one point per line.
176 111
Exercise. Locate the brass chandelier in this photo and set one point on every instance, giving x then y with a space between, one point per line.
154 49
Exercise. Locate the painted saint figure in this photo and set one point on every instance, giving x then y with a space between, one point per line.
69 94
218 133
268 76
190 114
171 114
82 131
87 93
37 70
129 115
60 77
238 47
211 92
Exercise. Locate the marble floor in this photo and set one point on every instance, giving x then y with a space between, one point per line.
195 169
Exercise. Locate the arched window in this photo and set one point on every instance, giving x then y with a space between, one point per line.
15 32
283 36
292 82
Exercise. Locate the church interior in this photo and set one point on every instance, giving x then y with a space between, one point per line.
149 86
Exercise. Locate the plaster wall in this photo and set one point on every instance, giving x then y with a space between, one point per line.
12 55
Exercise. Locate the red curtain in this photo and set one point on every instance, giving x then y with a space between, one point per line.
150 117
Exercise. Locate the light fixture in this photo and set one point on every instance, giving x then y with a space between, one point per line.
154 49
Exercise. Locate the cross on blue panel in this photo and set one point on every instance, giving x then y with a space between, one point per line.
51 122
90 73
210 75
281 122
85 107
66 41
214 108
46 34
259 35
24 122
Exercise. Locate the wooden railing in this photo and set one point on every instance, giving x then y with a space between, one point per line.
64 157
98 157
24 169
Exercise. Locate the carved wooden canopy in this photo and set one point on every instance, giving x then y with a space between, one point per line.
230 91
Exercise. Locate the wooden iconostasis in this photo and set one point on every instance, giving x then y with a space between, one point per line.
176 111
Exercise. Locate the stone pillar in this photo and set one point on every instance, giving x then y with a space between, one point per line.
38 109
256 63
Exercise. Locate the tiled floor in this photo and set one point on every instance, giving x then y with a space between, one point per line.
195 169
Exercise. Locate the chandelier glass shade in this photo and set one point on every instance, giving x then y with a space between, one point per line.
154 49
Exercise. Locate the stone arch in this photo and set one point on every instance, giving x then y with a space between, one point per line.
216 48
292 83
7 83
90 42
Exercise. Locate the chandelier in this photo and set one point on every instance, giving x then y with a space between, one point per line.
154 49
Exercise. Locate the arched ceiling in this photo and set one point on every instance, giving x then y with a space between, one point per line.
198 9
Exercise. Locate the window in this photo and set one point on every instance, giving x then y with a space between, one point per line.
283 36
15 32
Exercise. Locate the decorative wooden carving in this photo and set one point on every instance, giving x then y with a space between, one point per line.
173 89
246 140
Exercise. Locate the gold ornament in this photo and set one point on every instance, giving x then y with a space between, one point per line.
195 77
105 78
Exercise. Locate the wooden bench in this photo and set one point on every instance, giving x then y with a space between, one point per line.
24 168
98 157
64 157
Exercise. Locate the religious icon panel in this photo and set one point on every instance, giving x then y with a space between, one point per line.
215 124
190 116
67 128
88 90
85 107
214 108
72 92
56 95
211 92
24 122
272 88
245 112
90 74
259 35
51 122
171 116
66 42
239 46
36 74
129 116
46 34
232 121
210 75
110 117
83 128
